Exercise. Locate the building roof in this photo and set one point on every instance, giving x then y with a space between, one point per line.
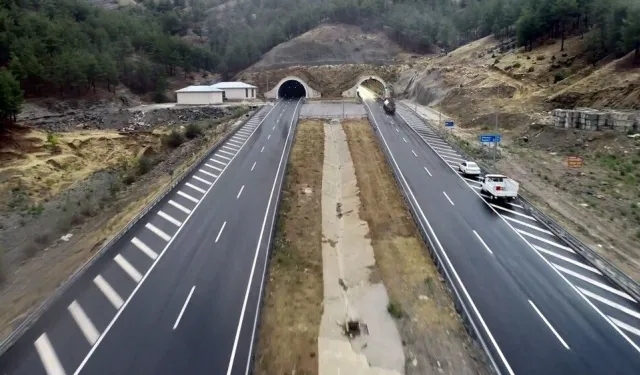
233 85
197 88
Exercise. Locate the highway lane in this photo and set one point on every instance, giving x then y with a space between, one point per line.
182 294
531 319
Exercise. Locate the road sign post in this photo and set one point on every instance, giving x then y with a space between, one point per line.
448 124
575 161
490 138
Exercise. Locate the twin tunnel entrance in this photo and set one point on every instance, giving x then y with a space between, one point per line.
293 87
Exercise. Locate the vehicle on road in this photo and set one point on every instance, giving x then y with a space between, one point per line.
469 168
500 187
389 106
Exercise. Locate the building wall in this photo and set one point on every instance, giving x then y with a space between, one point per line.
240 94
199 98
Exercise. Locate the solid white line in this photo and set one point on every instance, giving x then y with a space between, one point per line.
158 231
180 207
414 153
262 149
184 307
549 325
254 165
615 305
425 168
594 282
625 326
220 232
269 137
568 260
188 196
194 187
552 243
255 258
108 292
128 268
222 157
405 141
240 192
529 225
218 161
483 243
513 212
448 261
135 290
226 152
84 323
144 248
450 201
204 180
48 356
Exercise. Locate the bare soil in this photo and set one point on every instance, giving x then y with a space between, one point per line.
290 319
434 338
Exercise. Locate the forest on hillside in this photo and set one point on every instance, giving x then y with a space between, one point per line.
68 47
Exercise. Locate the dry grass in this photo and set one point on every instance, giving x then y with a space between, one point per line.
432 331
293 298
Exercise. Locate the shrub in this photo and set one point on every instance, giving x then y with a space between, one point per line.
531 69
144 165
394 310
52 142
193 131
128 179
173 139
517 65
558 76
540 58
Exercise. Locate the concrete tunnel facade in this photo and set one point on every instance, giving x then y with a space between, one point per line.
292 81
353 92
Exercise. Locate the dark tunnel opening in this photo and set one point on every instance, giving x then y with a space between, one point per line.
291 89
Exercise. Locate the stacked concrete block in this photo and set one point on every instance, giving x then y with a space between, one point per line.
591 119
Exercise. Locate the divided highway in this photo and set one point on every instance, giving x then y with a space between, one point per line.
538 307
180 292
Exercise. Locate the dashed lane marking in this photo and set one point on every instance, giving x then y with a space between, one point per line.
194 187
240 192
425 168
220 232
449 199
144 248
84 323
482 241
594 282
184 307
202 179
414 153
108 292
192 199
615 305
262 149
180 207
128 268
48 356
157 231
254 165
405 141
269 137
568 260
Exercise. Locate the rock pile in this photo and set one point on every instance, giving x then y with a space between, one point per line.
592 119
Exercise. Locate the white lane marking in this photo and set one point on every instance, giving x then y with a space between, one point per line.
449 199
414 153
218 161
448 261
576 289
470 180
220 232
568 260
128 268
477 188
255 258
48 356
180 207
594 282
187 196
135 290
231 148
158 231
222 157
202 179
483 243
269 137
108 292
262 149
274 127
550 326
144 248
625 326
240 192
451 157
615 305
405 141
194 187
552 243
529 225
397 130
240 137
244 131
84 323
512 211
254 165
226 152
425 168
446 150
184 307
234 143
212 167
516 205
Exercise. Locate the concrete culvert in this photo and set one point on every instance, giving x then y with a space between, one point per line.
291 89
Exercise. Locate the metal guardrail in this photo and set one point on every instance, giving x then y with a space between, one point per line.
459 302
608 269
104 249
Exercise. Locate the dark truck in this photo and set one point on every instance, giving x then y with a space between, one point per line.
389 106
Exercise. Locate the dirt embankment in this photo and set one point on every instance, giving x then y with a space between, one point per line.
600 203
292 309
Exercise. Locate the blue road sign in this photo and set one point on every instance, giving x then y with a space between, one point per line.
490 138
448 124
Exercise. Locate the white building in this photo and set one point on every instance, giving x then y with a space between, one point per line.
199 95
237 90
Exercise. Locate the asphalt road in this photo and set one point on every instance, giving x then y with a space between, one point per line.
539 308
180 293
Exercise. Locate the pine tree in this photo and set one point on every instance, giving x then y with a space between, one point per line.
11 96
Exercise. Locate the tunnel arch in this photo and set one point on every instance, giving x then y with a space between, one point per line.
353 91
309 92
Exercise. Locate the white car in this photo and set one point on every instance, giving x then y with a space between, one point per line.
469 168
